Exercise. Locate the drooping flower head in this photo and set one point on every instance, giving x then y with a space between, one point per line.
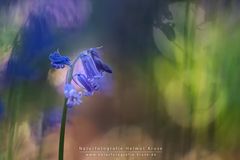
89 65
93 67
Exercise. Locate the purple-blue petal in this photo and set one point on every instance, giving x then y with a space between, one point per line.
58 61
94 52
102 67
89 66
82 79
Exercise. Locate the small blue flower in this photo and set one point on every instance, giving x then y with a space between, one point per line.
74 100
74 97
58 61
102 67
68 89
89 81
88 84
89 66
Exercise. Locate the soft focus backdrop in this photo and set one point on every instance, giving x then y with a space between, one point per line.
175 81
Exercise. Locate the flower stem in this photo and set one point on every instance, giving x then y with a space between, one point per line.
62 132
64 114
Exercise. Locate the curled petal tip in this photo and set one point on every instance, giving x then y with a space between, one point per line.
107 68
102 67
58 61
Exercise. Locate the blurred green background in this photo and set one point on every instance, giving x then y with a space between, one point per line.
174 82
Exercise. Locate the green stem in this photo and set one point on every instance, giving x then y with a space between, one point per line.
62 131
64 113
188 59
186 32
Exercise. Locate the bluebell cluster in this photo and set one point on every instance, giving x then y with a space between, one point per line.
94 69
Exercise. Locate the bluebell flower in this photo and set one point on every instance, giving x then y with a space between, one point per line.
58 61
89 81
74 97
89 66
102 67
74 100
94 84
68 89
90 85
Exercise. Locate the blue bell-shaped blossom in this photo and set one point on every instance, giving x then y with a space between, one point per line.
86 84
89 66
89 81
